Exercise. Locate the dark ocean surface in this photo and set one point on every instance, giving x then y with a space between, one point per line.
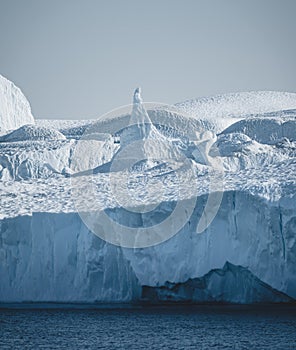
154 327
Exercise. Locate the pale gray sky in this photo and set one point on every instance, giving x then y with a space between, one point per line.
82 58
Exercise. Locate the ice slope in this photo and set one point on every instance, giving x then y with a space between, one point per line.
15 109
214 113
219 112
167 119
239 104
48 254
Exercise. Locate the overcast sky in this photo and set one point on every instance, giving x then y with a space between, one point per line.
80 59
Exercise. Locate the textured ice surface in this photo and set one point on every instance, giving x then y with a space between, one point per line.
53 257
266 130
15 109
218 112
32 133
218 285
48 158
239 104
48 254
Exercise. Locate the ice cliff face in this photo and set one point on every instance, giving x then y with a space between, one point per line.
15 109
53 257
247 231
247 252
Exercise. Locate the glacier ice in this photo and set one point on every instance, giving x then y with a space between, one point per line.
140 141
246 254
48 157
265 130
140 125
15 109
231 284
53 257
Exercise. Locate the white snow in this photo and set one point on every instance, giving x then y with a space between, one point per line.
48 254
15 109
32 133
218 112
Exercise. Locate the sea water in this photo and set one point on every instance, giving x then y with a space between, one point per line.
153 327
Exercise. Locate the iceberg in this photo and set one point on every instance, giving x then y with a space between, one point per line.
56 199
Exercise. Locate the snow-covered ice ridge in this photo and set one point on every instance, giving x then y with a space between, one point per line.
248 252
15 109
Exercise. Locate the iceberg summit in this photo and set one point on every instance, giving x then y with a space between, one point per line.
194 202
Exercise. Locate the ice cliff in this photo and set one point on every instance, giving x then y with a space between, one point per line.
53 257
247 250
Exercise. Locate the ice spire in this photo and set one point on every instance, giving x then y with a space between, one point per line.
140 124
137 96
140 116
140 140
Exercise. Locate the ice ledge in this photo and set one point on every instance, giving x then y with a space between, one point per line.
231 284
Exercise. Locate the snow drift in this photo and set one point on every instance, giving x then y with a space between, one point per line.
32 133
219 112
